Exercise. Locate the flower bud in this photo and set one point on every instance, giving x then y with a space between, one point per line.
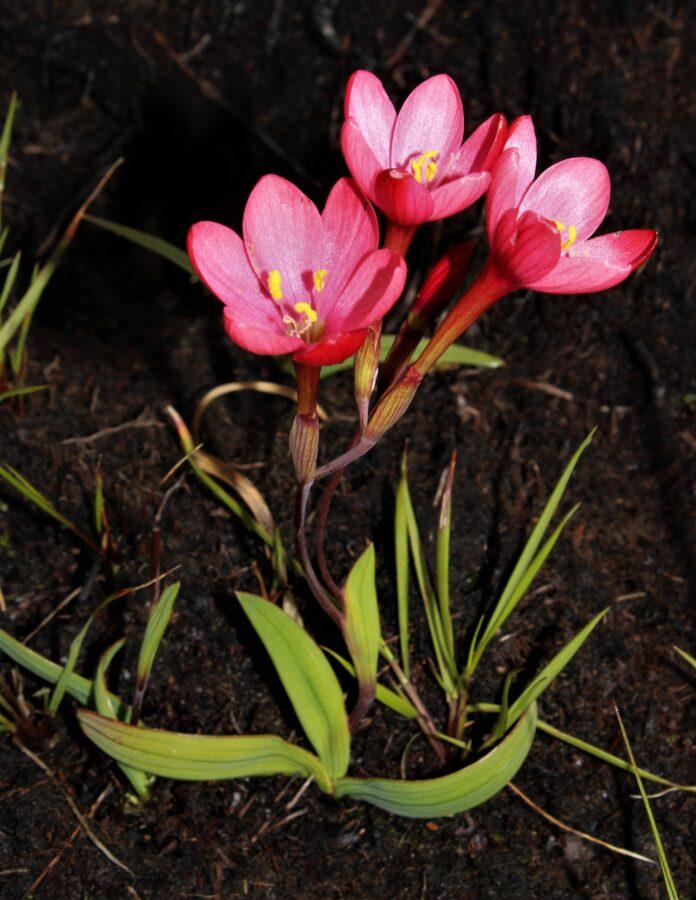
393 405
304 444
365 371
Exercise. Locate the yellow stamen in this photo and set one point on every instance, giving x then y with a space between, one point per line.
275 285
306 310
559 225
319 278
430 168
570 240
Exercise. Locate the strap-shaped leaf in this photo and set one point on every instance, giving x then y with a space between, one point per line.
449 794
200 757
160 614
308 679
361 629
77 686
106 707
553 668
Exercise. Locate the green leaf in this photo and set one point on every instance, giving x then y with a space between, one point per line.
686 656
401 558
455 355
10 279
361 629
464 789
442 556
670 886
27 304
160 614
147 241
553 668
384 695
106 707
75 646
77 686
5 139
308 679
33 495
200 757
529 563
21 391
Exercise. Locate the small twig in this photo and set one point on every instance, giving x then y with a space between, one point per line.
56 859
141 422
63 603
545 388
582 834
73 806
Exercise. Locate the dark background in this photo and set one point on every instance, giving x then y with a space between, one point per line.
201 99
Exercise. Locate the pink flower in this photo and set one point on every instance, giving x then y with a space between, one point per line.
299 282
540 231
413 165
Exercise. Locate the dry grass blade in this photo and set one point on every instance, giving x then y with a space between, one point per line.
84 824
28 303
582 834
233 387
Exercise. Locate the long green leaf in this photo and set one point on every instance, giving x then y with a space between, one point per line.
687 657
10 279
455 355
670 886
160 615
361 629
442 556
147 241
553 668
527 558
79 687
401 558
20 483
200 757
308 679
464 789
5 139
21 392
106 707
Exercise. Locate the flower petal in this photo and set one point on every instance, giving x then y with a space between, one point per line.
454 196
219 258
481 149
432 118
283 232
350 233
573 192
522 137
368 105
402 199
599 263
361 161
504 188
255 335
331 351
525 249
374 288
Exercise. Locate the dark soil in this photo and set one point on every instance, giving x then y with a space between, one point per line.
120 334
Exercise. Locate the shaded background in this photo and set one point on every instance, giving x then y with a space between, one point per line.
201 99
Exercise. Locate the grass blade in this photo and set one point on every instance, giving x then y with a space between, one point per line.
401 557
670 886
10 279
553 668
160 614
442 555
22 391
29 301
516 586
687 657
147 241
450 794
308 679
5 139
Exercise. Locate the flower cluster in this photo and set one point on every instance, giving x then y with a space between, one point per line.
310 284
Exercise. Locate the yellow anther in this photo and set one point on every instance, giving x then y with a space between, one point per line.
559 225
570 240
430 168
306 310
275 285
319 278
